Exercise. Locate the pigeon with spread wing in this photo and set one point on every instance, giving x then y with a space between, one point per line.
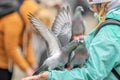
58 56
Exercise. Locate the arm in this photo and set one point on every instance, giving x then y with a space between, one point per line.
29 6
13 28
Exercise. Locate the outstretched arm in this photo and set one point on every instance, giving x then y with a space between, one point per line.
103 58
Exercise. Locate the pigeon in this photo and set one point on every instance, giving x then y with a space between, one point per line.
79 56
58 56
78 24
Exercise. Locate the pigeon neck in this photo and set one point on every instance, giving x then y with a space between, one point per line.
71 46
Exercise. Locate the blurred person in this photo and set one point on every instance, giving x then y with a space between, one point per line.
104 61
15 37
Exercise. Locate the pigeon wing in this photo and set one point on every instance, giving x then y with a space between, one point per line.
62 26
48 36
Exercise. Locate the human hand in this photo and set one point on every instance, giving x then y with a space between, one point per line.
43 76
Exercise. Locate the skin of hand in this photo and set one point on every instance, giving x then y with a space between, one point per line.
43 76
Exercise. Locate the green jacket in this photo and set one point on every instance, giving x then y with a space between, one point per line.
104 51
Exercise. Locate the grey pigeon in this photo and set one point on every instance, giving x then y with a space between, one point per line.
78 26
79 55
58 56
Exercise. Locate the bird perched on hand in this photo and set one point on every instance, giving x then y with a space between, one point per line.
58 56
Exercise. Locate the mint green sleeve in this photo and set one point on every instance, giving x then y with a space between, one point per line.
103 50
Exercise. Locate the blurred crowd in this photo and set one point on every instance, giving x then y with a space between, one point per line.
20 44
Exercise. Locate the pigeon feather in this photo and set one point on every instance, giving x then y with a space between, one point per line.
62 26
47 34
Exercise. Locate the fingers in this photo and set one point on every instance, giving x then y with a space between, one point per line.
43 76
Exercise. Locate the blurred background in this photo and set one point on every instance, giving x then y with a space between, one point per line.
46 10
